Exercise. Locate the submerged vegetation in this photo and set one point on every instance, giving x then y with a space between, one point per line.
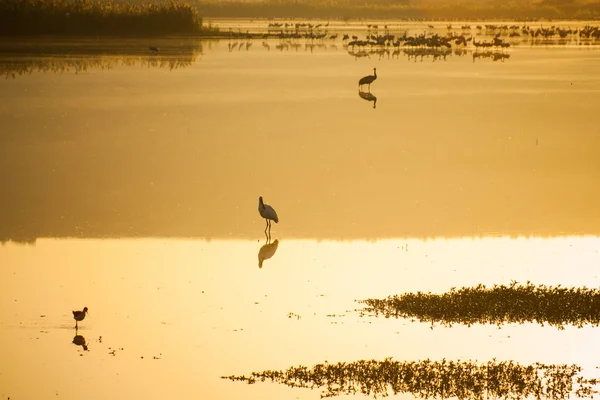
435 379
97 17
556 306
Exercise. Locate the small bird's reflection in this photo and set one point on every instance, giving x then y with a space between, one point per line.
368 96
79 340
267 251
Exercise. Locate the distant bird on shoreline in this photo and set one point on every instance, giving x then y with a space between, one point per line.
79 315
268 213
153 49
367 80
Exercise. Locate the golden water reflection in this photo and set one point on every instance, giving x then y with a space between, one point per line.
457 149
179 314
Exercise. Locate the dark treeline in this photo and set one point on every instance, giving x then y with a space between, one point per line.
96 17
556 306
399 10
435 379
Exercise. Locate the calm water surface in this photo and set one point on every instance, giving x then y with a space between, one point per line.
131 184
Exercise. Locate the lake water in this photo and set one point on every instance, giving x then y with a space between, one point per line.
131 184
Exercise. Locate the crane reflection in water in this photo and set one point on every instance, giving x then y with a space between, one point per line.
368 96
267 251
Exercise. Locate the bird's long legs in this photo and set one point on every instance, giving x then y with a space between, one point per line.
268 235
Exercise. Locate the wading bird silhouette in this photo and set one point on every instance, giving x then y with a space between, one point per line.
79 315
367 80
268 213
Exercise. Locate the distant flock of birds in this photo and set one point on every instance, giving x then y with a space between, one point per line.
318 32
289 33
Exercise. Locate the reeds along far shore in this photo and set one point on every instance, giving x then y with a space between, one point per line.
96 17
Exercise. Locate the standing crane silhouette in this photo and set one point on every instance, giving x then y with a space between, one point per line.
367 80
268 213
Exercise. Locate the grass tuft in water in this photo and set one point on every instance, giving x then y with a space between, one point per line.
435 379
557 306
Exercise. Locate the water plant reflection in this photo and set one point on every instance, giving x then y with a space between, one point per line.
267 251
556 306
432 379
77 58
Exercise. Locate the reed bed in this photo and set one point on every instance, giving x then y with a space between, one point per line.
557 306
435 379
97 17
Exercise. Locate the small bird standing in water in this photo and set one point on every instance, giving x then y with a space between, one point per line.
268 213
79 315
